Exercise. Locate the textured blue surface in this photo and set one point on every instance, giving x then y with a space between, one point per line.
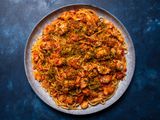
140 102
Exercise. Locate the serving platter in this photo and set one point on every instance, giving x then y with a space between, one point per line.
44 96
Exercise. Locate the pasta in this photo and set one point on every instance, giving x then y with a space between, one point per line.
79 59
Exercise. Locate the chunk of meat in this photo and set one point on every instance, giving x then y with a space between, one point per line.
86 91
38 76
101 52
35 57
88 66
83 83
103 69
108 90
77 82
47 45
119 65
120 75
60 27
69 100
74 62
84 105
106 79
62 98
58 61
80 99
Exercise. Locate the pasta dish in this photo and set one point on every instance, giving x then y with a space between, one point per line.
79 59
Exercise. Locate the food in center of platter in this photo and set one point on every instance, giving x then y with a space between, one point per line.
79 59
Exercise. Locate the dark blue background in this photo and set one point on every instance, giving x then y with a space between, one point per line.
141 100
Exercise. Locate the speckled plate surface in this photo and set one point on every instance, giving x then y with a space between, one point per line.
44 95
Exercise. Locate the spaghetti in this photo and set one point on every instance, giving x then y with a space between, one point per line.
79 59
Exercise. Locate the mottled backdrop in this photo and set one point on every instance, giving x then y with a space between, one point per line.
140 102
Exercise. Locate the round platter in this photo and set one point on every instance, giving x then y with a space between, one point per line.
44 95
